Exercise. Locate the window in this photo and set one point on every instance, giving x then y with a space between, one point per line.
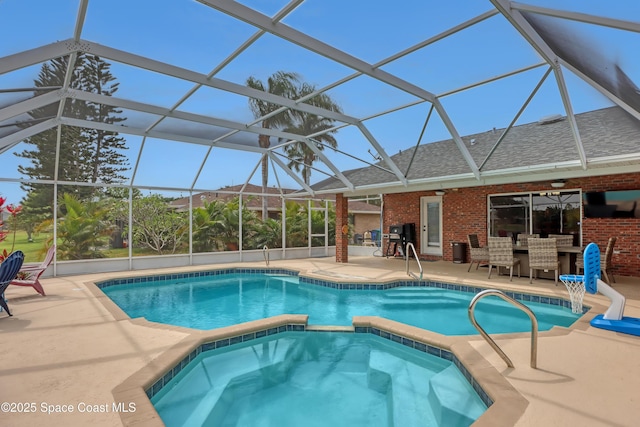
543 213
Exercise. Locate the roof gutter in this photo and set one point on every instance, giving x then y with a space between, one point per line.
611 165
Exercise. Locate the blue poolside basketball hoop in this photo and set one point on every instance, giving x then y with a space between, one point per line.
592 271
612 319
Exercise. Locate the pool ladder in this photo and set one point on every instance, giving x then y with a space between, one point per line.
413 249
492 343
265 253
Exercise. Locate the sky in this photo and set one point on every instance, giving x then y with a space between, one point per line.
196 37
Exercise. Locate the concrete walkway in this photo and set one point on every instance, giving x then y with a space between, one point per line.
62 355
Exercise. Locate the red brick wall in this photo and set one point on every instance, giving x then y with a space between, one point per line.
365 222
465 212
342 219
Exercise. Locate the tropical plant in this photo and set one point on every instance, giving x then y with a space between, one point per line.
283 84
83 229
252 226
216 226
157 226
297 224
269 234
205 226
317 226
117 201
228 225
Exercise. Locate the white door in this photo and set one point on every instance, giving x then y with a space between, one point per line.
431 225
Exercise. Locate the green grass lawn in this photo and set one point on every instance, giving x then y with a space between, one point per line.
33 251
36 250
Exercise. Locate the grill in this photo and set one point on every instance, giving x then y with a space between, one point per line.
395 233
399 236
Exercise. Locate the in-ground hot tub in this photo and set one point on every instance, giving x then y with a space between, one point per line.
288 377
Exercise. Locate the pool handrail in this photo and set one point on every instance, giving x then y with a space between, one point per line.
265 253
409 273
492 343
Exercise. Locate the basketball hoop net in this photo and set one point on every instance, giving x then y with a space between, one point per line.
575 287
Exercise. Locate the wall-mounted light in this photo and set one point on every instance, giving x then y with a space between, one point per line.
439 193
558 184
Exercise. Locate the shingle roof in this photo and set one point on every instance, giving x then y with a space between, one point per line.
229 192
255 203
604 133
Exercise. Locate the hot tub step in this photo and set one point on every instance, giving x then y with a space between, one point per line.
451 401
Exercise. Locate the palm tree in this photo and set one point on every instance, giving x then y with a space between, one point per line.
205 226
281 83
83 227
300 155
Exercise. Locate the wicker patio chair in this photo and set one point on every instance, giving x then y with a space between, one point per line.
478 253
562 240
501 255
606 262
543 255
523 238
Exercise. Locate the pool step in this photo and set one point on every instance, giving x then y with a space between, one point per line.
451 400
309 373
247 372
285 278
426 293
423 304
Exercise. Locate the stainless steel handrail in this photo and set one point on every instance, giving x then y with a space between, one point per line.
413 248
265 253
492 343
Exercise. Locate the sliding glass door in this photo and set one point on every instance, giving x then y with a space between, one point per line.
543 213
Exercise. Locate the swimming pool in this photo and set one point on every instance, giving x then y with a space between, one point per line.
225 298
318 379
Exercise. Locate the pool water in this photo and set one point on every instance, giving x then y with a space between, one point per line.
318 379
229 299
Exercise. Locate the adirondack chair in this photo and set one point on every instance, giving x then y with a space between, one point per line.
32 272
8 270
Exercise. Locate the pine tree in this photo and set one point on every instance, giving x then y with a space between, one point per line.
106 161
86 155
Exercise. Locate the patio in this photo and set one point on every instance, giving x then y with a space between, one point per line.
69 351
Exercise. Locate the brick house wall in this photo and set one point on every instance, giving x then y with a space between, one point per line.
365 222
464 211
342 221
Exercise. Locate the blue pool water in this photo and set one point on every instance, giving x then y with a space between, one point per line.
318 379
227 299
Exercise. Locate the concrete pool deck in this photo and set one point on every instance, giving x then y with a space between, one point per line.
71 351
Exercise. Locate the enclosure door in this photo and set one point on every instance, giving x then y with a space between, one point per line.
431 225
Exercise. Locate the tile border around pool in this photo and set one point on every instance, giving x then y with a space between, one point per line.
382 333
193 274
358 286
